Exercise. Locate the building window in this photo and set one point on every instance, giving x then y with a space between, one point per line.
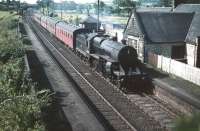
133 43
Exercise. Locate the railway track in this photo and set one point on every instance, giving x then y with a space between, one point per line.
123 112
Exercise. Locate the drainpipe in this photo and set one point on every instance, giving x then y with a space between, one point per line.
197 52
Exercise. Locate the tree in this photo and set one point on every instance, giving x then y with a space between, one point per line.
89 7
101 7
116 8
123 6
45 4
41 5
8 3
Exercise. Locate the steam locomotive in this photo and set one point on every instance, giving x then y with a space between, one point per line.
112 59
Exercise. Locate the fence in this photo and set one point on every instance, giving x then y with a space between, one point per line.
174 67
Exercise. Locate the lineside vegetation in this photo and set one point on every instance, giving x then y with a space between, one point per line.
20 103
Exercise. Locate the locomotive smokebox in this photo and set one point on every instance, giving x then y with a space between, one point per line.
126 55
128 58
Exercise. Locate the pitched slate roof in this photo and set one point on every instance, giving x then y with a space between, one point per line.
132 27
194 30
89 19
161 27
164 27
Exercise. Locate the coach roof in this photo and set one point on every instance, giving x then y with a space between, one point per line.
68 27
52 20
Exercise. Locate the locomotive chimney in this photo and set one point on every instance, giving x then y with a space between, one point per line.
116 35
123 41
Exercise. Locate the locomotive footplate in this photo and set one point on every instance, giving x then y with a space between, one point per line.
121 74
134 82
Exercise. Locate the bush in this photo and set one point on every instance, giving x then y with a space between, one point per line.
18 100
11 48
22 29
20 104
188 123
13 24
26 41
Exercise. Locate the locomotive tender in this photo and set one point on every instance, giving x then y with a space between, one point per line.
115 60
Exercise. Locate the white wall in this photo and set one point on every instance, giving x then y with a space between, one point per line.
191 53
177 68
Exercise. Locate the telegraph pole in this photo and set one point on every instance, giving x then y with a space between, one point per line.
61 13
98 16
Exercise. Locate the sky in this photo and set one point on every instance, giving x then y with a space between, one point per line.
77 1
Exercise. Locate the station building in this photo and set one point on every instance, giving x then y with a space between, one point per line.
160 32
172 33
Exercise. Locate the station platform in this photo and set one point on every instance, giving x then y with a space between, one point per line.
184 89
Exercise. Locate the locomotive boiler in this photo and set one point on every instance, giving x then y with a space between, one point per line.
112 59
115 60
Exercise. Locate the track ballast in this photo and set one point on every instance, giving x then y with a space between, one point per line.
123 112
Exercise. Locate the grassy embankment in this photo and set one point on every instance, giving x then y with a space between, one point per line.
19 103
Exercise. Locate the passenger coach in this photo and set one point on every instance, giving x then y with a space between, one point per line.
63 31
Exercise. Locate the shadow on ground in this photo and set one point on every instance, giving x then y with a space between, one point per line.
52 115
